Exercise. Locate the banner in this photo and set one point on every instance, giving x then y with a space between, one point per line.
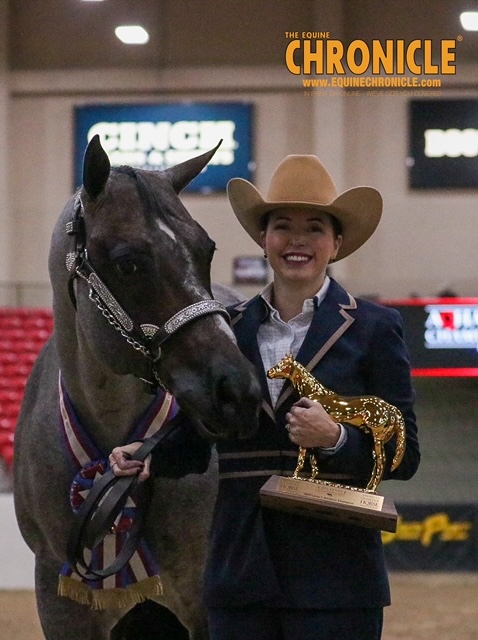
434 538
158 136
441 335
443 144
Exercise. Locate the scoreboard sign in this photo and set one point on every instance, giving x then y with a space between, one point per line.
443 144
159 136
441 335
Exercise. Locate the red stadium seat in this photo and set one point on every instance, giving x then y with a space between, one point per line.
11 409
23 332
7 453
7 346
13 333
38 335
12 369
9 322
6 438
9 394
8 357
28 357
8 424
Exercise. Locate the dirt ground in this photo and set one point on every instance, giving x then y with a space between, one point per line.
425 607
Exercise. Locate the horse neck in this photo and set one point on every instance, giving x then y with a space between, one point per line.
306 384
106 404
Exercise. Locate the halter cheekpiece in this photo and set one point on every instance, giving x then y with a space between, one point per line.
146 338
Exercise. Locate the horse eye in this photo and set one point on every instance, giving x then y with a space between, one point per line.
126 267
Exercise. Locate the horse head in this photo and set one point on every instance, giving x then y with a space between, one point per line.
283 369
137 253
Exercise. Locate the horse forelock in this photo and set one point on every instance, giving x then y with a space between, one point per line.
163 206
146 193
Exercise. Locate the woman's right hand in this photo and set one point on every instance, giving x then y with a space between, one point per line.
122 465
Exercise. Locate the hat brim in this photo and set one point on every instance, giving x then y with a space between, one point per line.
358 210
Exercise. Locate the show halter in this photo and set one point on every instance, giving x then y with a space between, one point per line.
146 338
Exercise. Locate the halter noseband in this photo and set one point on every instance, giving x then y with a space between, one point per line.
146 338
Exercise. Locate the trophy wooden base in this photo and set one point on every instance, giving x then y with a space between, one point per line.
329 501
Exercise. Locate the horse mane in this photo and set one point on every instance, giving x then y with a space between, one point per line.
146 193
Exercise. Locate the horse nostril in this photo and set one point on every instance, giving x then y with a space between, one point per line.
226 391
238 390
237 400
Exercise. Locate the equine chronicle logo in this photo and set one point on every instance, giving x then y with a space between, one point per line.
380 67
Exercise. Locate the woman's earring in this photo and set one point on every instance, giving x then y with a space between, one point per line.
265 255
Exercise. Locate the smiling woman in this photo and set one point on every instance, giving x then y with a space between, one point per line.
299 244
302 579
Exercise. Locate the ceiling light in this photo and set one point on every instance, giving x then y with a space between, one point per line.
469 20
132 34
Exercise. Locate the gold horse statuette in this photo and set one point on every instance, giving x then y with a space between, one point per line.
369 413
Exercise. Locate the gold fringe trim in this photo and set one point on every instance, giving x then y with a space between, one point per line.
110 598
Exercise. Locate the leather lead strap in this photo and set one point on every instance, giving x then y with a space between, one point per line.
102 506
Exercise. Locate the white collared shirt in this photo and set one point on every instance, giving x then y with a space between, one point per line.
277 338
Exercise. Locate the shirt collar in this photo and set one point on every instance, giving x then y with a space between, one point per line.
309 304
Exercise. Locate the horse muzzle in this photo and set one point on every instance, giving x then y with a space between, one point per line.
225 400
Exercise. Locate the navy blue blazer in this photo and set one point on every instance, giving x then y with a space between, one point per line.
353 347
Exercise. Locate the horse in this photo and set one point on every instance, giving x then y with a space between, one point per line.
368 413
133 316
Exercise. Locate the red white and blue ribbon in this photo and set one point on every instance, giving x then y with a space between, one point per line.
139 578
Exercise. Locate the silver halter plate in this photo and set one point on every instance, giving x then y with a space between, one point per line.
102 297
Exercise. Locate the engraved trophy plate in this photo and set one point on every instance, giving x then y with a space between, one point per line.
318 498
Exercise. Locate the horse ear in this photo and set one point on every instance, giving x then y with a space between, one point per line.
182 174
96 168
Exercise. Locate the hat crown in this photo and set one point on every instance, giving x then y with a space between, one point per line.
302 178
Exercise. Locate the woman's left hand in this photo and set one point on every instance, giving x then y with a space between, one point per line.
310 426
122 465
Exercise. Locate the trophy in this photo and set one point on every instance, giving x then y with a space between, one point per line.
329 500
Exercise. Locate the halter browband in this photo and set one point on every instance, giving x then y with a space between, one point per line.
146 338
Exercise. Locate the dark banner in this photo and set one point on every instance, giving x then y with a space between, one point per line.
434 538
158 136
443 145
441 335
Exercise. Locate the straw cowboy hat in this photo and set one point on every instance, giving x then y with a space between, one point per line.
302 182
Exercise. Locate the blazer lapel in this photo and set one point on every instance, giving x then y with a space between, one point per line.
329 323
246 335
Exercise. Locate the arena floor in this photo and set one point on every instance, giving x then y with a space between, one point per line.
426 607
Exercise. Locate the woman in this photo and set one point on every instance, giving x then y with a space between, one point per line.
271 575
